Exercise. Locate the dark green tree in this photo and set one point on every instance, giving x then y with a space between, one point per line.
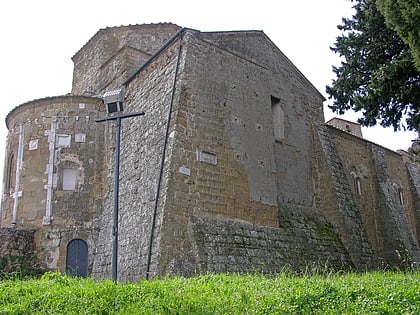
403 16
377 74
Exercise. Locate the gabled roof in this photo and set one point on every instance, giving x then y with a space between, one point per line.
99 34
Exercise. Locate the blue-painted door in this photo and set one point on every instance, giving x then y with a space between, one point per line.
77 258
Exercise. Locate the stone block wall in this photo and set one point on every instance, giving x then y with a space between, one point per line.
220 160
224 162
347 126
251 180
414 176
113 54
142 141
379 187
18 252
118 68
394 206
304 240
51 137
342 209
224 166
252 80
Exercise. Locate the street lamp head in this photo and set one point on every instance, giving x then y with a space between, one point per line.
113 100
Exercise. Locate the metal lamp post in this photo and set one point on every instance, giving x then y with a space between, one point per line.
114 103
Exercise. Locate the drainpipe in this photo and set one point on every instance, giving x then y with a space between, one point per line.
50 171
17 175
162 162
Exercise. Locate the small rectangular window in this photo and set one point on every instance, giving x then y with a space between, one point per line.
63 141
69 179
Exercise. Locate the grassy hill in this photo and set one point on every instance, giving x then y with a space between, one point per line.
284 293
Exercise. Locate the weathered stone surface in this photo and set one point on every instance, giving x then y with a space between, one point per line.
55 135
345 214
303 240
244 177
398 238
113 54
17 251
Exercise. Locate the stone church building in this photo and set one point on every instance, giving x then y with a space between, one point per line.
230 169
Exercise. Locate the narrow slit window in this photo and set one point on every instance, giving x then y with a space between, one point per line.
278 118
10 179
357 184
399 191
401 196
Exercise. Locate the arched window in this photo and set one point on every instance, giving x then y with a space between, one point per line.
10 175
401 197
400 194
77 258
357 186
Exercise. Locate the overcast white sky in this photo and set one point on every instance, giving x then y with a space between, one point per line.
38 39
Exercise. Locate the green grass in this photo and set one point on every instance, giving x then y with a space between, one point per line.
347 293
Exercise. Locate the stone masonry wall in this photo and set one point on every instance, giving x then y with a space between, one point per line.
254 79
208 176
142 140
303 240
17 251
414 175
343 212
251 181
220 159
77 144
56 135
380 187
224 114
398 236
113 54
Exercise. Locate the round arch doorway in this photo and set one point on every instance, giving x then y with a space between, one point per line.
77 258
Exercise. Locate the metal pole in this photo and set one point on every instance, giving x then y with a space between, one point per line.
116 185
116 199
